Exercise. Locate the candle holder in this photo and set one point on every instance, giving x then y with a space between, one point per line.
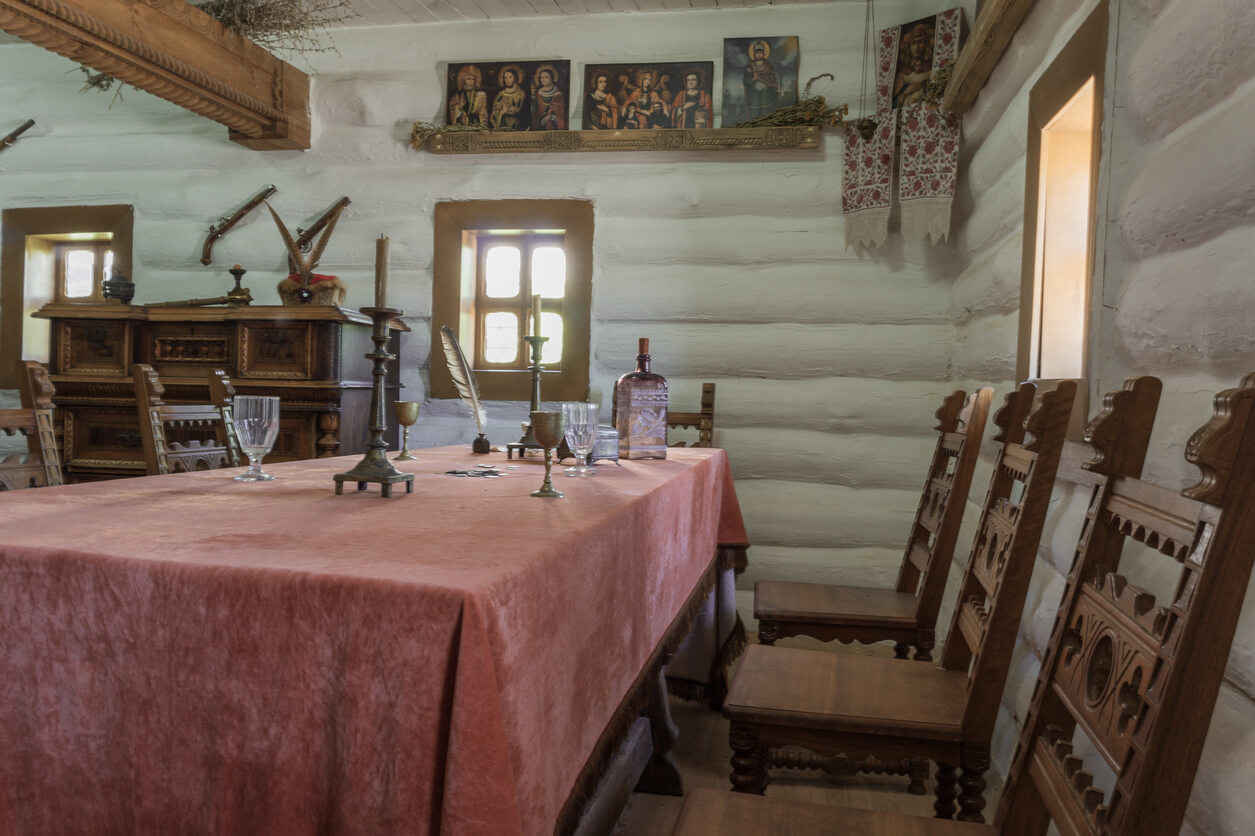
374 466
528 440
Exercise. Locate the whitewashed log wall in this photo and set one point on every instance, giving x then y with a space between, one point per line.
1177 195
829 363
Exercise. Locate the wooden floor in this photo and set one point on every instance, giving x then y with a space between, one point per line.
703 753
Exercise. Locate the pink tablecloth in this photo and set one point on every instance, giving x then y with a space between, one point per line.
189 654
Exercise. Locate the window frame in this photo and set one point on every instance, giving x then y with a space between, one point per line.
97 295
1084 57
458 226
528 242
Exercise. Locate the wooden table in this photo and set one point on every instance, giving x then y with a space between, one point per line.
191 654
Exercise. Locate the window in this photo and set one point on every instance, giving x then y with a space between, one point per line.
81 268
1060 221
492 259
31 277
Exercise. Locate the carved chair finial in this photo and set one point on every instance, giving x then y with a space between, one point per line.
1051 414
1215 446
1111 426
1009 419
38 389
952 411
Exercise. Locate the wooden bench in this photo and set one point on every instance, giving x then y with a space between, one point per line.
41 466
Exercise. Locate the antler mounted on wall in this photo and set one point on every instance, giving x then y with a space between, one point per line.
199 65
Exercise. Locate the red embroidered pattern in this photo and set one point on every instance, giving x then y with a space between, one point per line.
929 162
868 167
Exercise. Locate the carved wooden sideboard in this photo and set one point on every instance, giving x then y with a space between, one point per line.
313 358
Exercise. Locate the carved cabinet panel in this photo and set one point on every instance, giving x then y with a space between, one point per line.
312 358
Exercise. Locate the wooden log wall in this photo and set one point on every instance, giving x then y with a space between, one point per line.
829 362
1177 194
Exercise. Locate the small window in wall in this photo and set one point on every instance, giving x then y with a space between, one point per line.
81 269
492 261
1060 220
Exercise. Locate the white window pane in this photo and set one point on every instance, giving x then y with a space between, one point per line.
551 327
108 272
549 271
502 268
501 337
78 273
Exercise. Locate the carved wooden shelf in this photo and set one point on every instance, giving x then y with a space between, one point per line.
706 139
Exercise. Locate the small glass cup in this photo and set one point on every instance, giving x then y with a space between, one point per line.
581 434
256 425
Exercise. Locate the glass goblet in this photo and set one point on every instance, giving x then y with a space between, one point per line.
256 425
548 428
581 433
407 414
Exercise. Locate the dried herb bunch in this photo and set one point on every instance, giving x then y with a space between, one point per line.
288 25
294 25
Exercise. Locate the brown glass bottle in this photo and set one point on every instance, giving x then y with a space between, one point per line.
640 408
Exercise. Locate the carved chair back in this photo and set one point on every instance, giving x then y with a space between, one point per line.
218 448
41 466
926 563
1139 681
703 420
995 581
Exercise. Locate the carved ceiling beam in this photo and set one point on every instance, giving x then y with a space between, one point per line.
995 27
175 51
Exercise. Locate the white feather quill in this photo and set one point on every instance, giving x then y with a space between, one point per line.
463 376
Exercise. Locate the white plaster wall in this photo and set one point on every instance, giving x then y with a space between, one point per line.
829 363
1177 197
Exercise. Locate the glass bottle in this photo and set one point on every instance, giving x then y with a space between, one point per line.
640 405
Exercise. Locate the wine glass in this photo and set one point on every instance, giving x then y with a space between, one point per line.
548 428
256 425
581 432
407 414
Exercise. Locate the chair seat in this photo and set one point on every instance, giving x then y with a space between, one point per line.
844 692
831 604
709 812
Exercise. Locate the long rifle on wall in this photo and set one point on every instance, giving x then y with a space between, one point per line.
13 135
224 224
305 237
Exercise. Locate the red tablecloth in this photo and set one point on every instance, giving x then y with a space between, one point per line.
190 654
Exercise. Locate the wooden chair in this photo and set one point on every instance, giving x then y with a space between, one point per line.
1137 682
841 707
703 420
218 446
41 467
907 614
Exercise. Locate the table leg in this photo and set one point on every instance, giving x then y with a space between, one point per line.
662 774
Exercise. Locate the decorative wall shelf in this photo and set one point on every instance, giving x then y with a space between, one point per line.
706 139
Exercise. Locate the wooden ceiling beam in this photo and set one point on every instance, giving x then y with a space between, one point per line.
995 27
173 50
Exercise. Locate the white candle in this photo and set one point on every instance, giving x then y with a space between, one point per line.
381 272
536 315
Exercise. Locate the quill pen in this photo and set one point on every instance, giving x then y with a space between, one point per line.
464 380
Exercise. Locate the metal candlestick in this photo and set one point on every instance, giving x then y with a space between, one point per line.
528 440
374 466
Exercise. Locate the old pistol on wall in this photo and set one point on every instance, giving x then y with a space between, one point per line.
224 224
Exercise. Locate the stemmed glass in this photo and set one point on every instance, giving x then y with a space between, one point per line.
256 425
548 428
407 414
581 433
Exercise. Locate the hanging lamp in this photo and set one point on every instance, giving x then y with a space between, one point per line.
865 124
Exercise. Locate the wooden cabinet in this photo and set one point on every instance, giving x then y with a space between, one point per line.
313 358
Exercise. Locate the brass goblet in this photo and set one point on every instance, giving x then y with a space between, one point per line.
407 414
548 428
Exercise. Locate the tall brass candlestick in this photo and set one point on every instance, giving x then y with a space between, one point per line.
374 466
528 441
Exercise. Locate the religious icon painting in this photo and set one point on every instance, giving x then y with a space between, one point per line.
509 95
759 76
648 96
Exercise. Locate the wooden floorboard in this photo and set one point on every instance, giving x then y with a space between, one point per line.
703 754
